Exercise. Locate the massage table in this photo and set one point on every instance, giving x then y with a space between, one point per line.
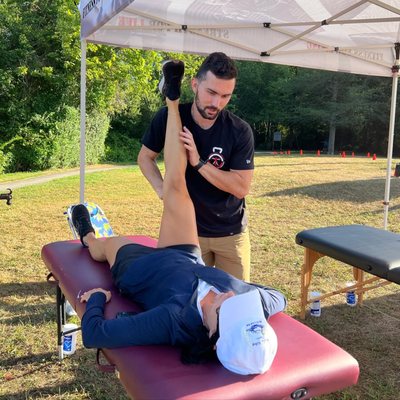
306 364
366 249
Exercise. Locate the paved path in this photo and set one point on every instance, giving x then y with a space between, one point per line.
46 178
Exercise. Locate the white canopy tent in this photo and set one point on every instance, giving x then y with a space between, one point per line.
360 37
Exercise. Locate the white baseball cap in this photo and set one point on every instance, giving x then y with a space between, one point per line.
247 344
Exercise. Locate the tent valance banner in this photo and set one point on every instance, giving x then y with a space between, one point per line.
341 35
360 37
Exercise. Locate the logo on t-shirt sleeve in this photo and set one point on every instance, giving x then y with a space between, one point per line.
216 158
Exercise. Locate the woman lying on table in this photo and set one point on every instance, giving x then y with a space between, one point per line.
202 309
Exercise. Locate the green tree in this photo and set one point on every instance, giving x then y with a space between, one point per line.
40 81
258 98
312 107
33 79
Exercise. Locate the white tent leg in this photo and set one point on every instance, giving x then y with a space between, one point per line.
82 160
390 143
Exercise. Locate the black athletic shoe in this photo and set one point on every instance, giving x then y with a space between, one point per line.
172 74
81 220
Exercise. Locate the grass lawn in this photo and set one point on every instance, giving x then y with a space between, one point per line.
289 194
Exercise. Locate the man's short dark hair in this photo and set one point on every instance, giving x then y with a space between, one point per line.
222 66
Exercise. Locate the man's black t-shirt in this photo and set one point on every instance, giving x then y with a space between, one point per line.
228 144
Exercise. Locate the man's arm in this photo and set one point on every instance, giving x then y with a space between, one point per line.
236 182
148 165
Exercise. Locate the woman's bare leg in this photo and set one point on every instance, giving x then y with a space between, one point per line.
178 222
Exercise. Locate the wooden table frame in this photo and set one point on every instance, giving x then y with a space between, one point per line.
363 285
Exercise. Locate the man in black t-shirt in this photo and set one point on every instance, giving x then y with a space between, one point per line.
220 148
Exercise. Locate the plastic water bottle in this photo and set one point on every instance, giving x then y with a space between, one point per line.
69 339
315 309
351 298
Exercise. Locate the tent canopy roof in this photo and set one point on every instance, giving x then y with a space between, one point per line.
341 35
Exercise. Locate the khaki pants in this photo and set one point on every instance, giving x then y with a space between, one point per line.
229 253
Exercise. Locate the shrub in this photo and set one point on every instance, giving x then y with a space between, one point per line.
66 140
32 152
97 126
66 144
121 148
6 157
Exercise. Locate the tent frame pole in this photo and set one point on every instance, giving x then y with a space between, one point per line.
82 160
395 71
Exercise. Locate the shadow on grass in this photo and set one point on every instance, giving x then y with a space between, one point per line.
370 334
28 311
379 210
25 289
78 377
386 306
30 359
358 192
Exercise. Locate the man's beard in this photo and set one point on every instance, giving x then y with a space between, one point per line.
203 111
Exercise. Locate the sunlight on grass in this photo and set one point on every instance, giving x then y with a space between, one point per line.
34 174
289 194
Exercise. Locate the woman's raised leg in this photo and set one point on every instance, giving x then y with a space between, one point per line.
178 222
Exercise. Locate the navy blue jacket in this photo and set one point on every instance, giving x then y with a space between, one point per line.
164 284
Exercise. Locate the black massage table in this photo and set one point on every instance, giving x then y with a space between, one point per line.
365 248
306 364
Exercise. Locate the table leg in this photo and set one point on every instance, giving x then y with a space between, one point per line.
359 277
310 258
60 320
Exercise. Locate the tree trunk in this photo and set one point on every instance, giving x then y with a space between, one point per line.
332 122
332 134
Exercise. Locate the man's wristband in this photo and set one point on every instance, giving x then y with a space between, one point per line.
200 164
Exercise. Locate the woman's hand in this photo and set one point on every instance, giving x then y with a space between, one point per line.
86 296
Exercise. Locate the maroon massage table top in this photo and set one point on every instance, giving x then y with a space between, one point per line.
304 359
